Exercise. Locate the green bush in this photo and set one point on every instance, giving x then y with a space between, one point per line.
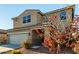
16 52
26 44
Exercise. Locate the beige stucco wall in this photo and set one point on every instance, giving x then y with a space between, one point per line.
40 18
18 32
61 24
19 22
69 16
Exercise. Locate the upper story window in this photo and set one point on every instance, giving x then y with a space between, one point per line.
27 19
63 15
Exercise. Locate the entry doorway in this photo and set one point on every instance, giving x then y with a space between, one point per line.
37 36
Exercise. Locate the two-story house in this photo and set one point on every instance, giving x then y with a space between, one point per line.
23 26
26 24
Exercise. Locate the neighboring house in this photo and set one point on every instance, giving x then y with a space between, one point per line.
3 36
32 21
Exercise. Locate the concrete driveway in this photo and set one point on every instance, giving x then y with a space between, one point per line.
8 47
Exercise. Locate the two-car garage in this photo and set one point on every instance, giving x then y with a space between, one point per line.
18 38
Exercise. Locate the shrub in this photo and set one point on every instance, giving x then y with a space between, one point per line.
16 52
26 44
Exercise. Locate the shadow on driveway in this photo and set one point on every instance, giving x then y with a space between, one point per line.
8 47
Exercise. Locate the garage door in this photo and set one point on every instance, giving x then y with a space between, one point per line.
17 38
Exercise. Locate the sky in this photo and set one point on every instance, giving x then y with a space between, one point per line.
8 11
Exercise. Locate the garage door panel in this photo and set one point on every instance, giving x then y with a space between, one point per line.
18 38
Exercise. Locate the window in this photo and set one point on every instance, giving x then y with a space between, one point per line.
27 19
63 15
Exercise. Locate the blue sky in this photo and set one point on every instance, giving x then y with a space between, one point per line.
7 11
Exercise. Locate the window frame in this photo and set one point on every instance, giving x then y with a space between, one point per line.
26 19
63 14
